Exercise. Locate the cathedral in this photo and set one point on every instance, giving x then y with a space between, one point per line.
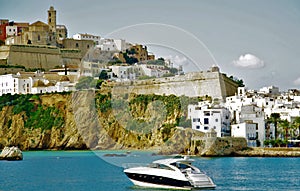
40 33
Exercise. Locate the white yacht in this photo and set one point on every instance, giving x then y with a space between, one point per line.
174 173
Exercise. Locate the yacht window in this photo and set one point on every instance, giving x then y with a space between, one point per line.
182 166
160 166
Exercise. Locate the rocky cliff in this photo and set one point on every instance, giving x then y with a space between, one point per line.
85 119
100 120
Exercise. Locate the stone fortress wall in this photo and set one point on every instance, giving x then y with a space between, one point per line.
210 83
30 56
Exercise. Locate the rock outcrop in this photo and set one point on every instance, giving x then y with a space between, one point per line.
11 153
211 145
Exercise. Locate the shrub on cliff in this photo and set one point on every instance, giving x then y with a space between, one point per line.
45 118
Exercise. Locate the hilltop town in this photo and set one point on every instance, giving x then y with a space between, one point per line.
40 58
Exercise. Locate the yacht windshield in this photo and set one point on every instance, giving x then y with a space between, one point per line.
183 167
160 166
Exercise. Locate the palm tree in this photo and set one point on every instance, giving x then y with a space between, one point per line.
285 125
274 118
296 124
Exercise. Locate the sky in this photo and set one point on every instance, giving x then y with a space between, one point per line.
254 40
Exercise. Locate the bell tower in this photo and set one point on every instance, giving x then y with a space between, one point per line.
52 19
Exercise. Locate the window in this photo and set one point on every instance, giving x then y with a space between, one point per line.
205 128
196 119
77 45
216 119
88 46
206 121
39 37
197 126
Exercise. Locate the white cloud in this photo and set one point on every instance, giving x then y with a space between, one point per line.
177 60
249 61
297 81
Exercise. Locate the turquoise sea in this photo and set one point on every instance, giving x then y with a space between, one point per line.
92 171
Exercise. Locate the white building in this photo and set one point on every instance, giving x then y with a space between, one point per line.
14 84
246 130
107 45
121 44
133 72
94 69
234 103
204 118
258 106
271 90
11 31
80 36
35 82
251 114
125 73
154 70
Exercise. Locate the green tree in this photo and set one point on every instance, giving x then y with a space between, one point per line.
285 125
296 124
240 82
161 58
173 70
274 118
103 75
131 51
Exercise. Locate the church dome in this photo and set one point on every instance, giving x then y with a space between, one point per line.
64 79
39 83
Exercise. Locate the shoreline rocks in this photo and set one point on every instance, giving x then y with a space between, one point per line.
11 154
268 152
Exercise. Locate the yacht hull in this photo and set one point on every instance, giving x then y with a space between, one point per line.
152 181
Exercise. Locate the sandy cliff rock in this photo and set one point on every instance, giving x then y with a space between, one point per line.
11 153
96 120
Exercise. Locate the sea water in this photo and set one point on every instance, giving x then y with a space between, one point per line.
93 171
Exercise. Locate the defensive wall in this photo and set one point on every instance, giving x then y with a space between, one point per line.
214 84
30 56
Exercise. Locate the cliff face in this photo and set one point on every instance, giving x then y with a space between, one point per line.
15 131
88 120
98 120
